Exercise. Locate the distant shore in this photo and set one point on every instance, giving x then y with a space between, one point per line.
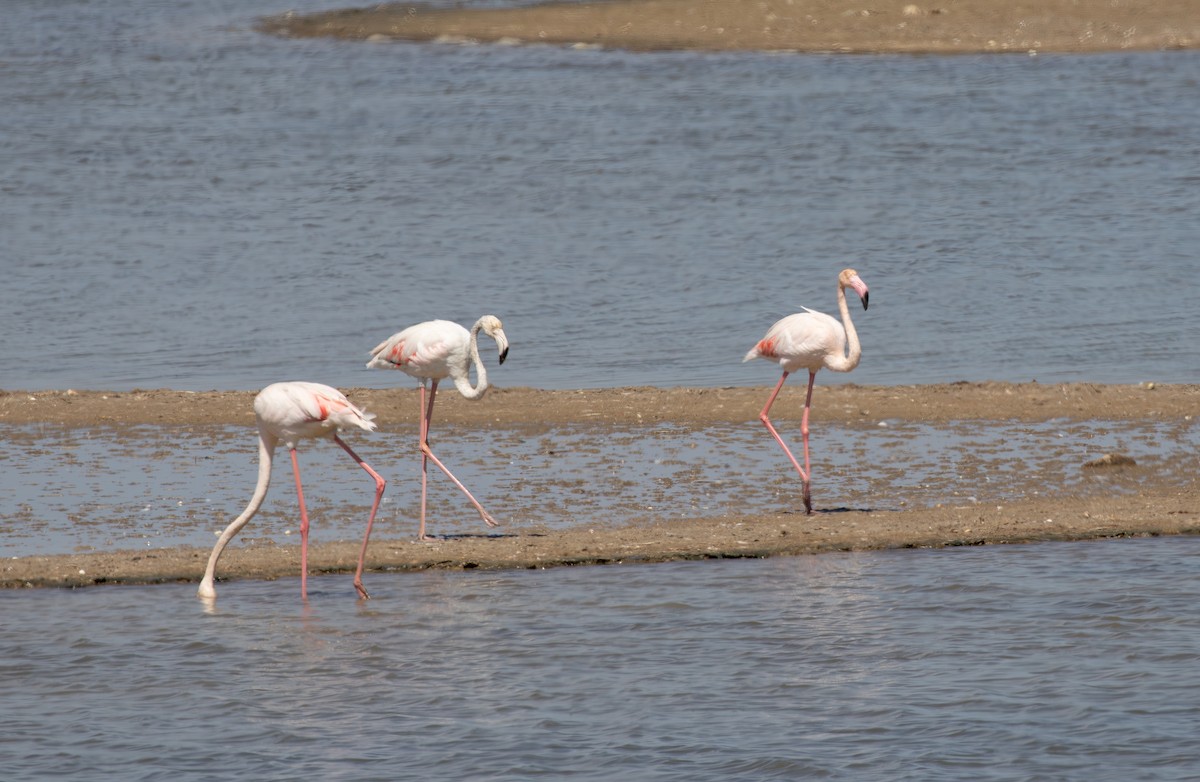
848 26
1131 501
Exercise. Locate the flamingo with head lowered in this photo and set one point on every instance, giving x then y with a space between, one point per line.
811 340
288 413
432 351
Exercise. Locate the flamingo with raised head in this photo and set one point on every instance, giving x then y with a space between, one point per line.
288 413
432 351
811 340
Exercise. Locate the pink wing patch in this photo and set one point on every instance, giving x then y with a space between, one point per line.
327 406
427 354
766 347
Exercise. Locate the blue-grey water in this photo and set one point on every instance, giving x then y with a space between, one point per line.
186 203
1055 661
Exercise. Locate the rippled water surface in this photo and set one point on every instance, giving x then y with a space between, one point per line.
189 204
1055 661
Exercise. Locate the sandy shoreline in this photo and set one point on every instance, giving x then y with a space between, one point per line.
1137 501
1151 513
531 407
897 26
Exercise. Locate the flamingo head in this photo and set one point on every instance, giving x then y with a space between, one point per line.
492 326
850 279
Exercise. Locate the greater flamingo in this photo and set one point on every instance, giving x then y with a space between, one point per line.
432 351
287 413
811 340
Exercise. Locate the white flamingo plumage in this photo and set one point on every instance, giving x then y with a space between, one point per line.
288 413
811 340
432 351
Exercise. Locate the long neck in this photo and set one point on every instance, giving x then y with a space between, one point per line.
463 381
266 450
838 362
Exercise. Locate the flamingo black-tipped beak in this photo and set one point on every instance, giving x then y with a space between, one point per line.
865 296
501 341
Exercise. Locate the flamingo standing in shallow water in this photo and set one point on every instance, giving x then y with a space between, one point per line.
811 340
287 413
432 351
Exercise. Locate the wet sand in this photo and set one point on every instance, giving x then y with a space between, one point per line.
1133 500
530 407
897 26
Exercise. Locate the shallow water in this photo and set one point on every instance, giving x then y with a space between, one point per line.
189 204
80 489
1055 661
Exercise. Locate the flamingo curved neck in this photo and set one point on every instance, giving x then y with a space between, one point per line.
462 381
266 451
844 363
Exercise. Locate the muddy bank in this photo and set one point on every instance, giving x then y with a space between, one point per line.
1130 499
1155 511
897 26
528 407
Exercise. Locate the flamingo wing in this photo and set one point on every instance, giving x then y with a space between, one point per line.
326 403
801 340
301 409
425 350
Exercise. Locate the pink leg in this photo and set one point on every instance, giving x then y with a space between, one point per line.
303 528
804 429
427 454
380 484
812 377
422 439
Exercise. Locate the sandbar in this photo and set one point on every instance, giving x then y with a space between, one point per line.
826 26
1135 501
